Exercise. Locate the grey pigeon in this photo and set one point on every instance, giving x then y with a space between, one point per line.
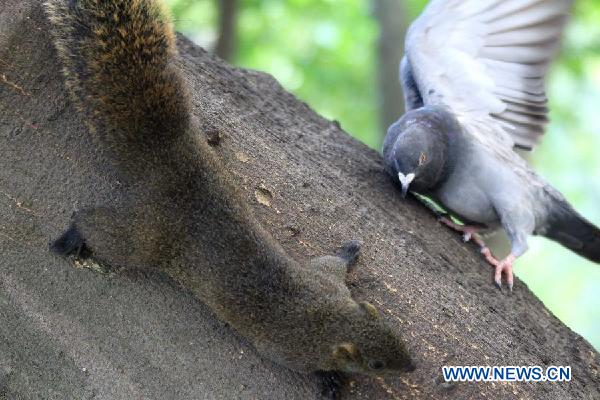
473 79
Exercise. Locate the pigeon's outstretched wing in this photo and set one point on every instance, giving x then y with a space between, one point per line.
486 61
412 95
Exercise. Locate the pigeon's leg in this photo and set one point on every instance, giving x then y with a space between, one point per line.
505 266
489 257
519 223
470 233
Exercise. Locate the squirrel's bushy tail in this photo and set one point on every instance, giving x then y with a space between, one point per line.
117 58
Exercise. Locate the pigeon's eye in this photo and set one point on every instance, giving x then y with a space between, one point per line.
376 365
422 159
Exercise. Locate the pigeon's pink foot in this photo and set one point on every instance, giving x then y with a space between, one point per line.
470 233
489 257
505 266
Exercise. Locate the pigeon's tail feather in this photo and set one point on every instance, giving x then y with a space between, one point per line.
573 231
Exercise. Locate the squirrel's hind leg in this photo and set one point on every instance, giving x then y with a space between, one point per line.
71 242
125 237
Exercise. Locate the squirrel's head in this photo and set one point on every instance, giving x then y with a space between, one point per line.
372 347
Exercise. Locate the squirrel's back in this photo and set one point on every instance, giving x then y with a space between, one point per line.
183 213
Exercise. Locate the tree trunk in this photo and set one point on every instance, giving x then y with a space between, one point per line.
70 332
225 46
392 18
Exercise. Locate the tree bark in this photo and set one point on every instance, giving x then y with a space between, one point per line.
392 18
70 332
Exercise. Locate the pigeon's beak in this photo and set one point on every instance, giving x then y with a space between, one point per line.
405 181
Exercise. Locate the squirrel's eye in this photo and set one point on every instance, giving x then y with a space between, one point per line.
376 364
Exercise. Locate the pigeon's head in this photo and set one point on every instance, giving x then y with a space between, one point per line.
416 149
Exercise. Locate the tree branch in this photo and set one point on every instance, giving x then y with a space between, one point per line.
69 332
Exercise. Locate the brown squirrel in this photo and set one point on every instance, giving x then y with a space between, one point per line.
182 212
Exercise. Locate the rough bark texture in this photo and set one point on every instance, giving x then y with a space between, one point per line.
72 333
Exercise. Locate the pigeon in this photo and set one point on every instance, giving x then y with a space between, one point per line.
473 77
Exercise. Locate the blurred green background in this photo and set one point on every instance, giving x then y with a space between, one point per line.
341 58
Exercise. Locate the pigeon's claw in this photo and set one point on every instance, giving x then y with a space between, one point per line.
505 266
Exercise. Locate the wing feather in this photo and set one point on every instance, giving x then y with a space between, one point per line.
487 60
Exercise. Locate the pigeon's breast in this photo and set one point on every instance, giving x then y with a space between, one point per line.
464 197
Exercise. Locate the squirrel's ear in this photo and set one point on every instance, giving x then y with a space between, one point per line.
345 352
369 309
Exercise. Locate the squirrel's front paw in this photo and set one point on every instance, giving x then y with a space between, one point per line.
350 251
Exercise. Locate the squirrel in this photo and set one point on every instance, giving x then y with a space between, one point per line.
181 211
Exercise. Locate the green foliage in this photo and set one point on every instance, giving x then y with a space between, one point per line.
318 50
311 47
324 51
